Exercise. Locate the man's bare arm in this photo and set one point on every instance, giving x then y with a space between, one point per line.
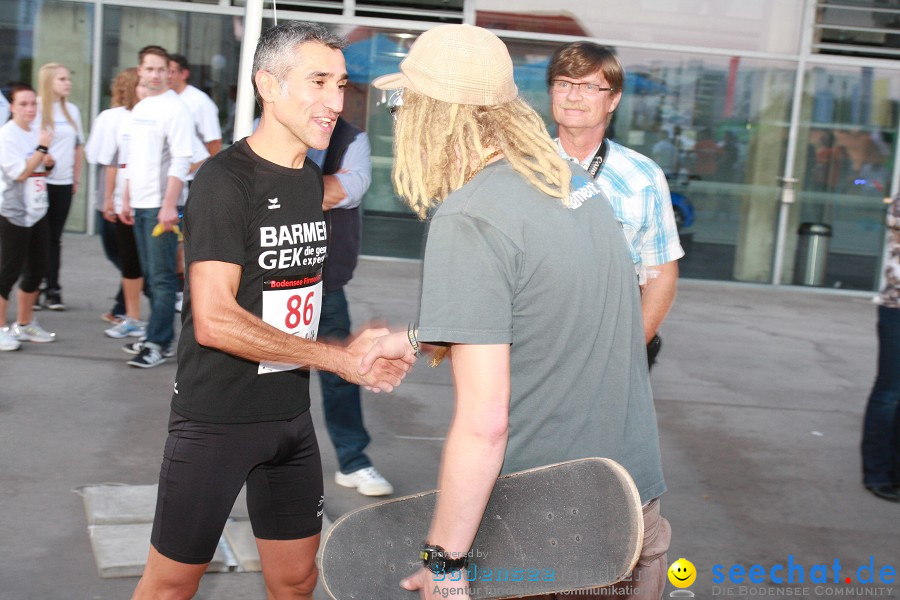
476 443
221 323
658 297
168 212
213 147
473 454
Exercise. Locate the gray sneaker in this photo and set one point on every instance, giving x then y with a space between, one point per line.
32 333
128 327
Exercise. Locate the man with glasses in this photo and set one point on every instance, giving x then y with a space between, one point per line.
585 82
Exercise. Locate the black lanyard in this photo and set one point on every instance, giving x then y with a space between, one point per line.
599 159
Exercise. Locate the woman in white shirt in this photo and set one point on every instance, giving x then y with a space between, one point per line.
115 156
24 227
63 119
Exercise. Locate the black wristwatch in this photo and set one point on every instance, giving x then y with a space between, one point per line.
438 560
42 149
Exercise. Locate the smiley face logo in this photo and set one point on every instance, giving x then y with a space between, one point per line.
682 573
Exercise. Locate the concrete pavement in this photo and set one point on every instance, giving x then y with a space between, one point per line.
759 393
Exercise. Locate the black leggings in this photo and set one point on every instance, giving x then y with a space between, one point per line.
129 263
23 251
60 199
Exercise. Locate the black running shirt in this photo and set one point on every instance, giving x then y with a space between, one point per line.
268 219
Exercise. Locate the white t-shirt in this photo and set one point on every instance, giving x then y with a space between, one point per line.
65 138
4 109
101 147
122 135
16 146
205 113
206 119
200 154
159 147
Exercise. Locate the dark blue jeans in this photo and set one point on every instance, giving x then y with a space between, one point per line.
881 428
157 255
340 399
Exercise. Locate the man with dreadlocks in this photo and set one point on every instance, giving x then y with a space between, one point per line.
528 281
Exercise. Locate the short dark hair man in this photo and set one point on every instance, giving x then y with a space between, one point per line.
585 82
255 240
158 161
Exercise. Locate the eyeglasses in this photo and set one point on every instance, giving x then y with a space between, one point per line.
395 103
589 89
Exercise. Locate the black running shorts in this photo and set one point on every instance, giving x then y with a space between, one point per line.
204 466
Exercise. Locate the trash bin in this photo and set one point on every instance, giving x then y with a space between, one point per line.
812 253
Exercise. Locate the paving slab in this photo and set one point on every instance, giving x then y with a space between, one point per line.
118 504
121 550
239 536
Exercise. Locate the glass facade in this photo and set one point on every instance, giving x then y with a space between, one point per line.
35 33
846 154
710 94
211 43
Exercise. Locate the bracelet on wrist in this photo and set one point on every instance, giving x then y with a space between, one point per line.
411 334
42 149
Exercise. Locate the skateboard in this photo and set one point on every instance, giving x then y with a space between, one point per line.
563 527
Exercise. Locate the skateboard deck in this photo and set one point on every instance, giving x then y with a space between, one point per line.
563 527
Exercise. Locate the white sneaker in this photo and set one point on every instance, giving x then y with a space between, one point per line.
8 342
32 333
368 482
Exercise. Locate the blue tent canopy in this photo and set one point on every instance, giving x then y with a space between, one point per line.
374 56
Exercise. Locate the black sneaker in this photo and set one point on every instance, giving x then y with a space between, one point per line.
885 492
150 356
53 301
136 347
133 347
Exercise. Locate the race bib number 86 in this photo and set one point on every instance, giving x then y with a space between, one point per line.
291 305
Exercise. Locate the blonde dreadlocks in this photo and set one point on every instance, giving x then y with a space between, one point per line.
435 143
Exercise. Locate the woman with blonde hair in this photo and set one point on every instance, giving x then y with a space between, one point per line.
63 120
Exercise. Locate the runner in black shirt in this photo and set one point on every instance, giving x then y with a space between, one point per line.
255 243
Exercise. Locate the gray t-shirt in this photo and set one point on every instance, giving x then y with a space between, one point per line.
507 264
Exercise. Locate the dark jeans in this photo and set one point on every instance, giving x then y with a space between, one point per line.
157 256
111 251
881 427
340 399
60 201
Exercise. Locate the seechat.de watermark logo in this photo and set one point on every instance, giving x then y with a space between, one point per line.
795 578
